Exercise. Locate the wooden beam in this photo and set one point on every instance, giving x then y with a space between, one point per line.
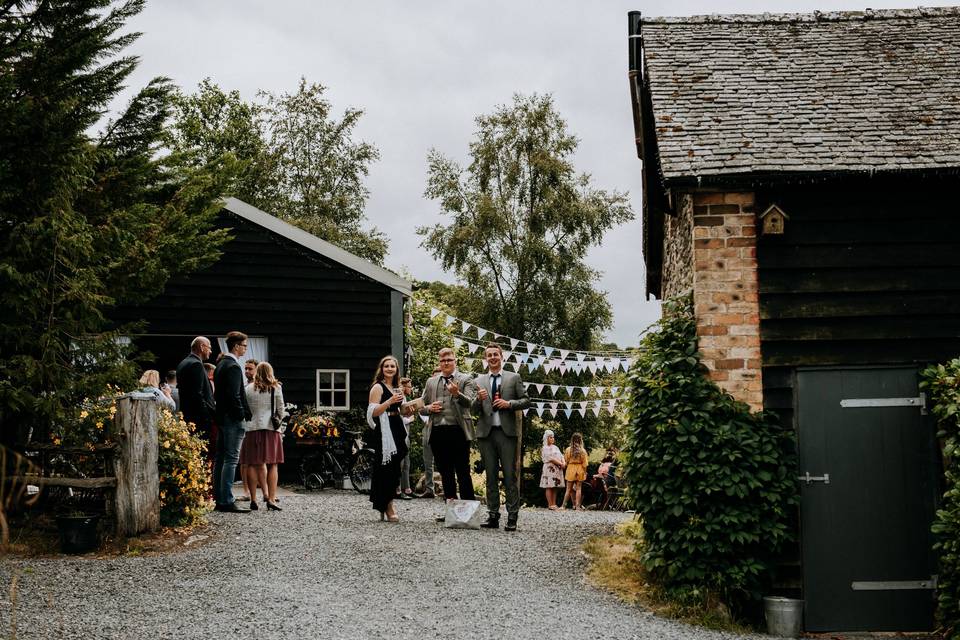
56 481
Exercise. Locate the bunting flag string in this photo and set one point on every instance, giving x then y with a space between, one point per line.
516 361
608 360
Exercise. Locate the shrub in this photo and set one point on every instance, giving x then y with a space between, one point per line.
714 482
183 471
943 383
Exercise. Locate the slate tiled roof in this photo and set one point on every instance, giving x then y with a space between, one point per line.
865 91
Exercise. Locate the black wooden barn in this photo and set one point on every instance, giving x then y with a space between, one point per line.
801 177
322 316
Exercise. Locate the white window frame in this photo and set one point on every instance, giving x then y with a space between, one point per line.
332 389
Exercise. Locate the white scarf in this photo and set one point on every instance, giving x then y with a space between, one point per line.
386 435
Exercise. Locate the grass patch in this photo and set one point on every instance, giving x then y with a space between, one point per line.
615 567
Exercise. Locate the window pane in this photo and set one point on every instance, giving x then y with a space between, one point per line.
324 378
340 398
340 378
325 398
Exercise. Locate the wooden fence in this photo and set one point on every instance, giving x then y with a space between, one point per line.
133 475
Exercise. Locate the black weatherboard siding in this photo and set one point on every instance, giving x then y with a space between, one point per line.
315 312
867 272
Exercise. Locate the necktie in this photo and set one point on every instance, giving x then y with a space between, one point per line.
494 385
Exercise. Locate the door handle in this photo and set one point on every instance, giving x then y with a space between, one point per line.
825 478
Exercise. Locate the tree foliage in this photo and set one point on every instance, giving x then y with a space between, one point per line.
298 160
520 223
943 383
714 483
88 221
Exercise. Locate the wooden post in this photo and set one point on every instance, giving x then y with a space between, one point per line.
135 465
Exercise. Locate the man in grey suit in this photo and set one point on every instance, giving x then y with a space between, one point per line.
500 394
447 398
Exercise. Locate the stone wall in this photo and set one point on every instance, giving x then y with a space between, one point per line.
725 291
678 249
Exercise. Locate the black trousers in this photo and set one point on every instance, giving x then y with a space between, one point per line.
451 454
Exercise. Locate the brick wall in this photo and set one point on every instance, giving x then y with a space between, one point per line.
725 292
678 249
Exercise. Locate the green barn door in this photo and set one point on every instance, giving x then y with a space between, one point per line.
868 490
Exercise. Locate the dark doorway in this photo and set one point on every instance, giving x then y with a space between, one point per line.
867 505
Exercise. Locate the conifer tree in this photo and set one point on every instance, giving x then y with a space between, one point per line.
89 220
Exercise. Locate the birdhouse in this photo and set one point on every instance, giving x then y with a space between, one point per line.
773 221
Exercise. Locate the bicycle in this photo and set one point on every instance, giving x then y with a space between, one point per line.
337 458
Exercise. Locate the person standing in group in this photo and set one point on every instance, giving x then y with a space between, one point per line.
500 394
151 384
210 369
551 478
429 489
447 398
196 393
249 371
389 437
171 382
576 458
262 448
406 493
232 410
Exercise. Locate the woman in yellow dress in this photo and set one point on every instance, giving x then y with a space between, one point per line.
576 457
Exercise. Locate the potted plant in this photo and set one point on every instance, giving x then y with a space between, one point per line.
79 531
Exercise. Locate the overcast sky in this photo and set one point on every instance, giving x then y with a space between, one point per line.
422 71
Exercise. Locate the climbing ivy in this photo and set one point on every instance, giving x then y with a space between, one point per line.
943 383
714 483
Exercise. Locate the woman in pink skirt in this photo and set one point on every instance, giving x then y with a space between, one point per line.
262 448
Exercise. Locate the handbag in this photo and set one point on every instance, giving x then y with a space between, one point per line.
463 514
276 418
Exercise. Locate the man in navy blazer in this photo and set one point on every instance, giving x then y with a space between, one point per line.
232 410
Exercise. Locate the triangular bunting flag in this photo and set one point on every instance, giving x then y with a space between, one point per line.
513 343
539 386
548 351
581 357
582 412
457 343
592 366
562 366
434 312
507 355
481 333
525 411
554 405
464 326
531 347
568 412
585 390
614 390
564 353
540 410
449 320
569 391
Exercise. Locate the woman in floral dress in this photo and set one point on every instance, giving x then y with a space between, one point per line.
551 478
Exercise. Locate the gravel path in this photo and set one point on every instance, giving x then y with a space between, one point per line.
325 568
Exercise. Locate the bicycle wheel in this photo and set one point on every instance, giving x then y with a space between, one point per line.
361 471
310 474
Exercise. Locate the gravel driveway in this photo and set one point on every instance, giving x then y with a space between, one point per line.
324 567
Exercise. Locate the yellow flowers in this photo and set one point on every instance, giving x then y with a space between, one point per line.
183 469
312 425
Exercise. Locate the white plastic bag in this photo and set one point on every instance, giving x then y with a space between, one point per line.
463 514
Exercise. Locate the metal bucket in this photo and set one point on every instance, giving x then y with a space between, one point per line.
784 616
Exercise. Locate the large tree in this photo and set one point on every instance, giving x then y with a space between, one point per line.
299 160
88 221
520 221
